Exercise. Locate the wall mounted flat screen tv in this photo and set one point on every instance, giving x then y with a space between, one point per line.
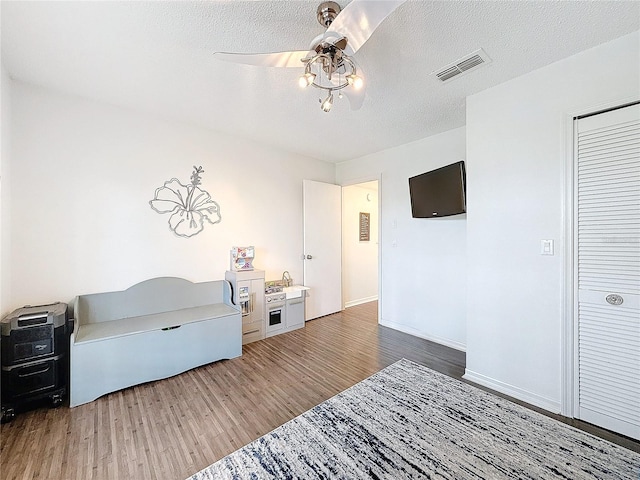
439 193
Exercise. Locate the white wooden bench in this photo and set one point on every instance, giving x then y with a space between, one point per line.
153 330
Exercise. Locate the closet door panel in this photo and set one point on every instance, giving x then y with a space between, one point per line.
608 269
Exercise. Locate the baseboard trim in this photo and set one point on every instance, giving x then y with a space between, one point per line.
360 301
515 392
417 333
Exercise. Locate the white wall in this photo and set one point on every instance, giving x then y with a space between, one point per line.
423 261
83 174
359 259
5 199
516 154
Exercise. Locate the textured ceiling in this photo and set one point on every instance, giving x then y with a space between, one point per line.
157 57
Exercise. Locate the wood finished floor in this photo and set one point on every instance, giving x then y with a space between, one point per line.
172 428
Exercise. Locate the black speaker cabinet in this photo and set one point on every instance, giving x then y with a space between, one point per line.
35 358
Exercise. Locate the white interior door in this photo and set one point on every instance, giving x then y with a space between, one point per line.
608 270
322 207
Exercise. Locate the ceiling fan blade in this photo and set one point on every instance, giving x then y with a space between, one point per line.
356 96
276 59
360 18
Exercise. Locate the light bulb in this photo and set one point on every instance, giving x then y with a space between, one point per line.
306 79
355 81
327 104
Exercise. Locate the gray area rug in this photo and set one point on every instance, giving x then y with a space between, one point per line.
408 421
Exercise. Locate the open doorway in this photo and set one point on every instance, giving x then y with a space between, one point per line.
360 243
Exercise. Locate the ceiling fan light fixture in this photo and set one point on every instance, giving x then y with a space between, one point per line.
330 66
328 103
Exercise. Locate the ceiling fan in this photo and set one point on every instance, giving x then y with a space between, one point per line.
328 63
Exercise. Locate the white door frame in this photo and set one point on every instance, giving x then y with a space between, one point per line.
365 179
568 387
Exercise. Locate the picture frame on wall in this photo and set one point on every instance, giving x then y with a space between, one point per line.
365 226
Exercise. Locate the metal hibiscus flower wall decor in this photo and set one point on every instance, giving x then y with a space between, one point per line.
189 205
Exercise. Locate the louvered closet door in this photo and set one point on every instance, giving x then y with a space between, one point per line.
608 269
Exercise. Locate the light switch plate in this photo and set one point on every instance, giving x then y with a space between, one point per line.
546 247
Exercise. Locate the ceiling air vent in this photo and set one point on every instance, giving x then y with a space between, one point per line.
463 65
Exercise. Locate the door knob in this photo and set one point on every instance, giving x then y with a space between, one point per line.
614 299
309 257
